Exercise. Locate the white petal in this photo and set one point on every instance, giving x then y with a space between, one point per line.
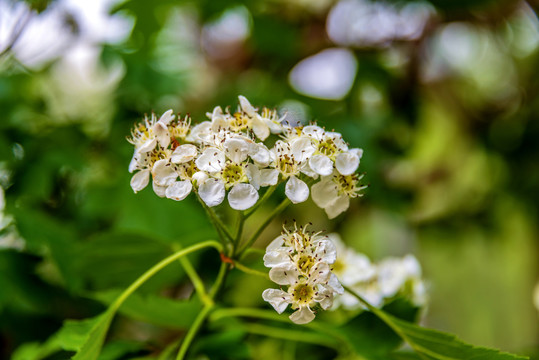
260 155
161 133
284 274
212 192
277 243
324 297
269 177
296 190
211 160
148 145
167 117
163 174
159 190
314 131
303 316
326 251
276 258
179 190
246 106
338 207
321 164
200 133
184 153
357 152
335 284
260 128
236 149
134 163
242 196
277 298
324 193
319 273
140 180
200 177
347 163
302 149
253 174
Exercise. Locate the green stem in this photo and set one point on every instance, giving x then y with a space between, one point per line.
248 270
273 316
239 228
252 251
201 317
262 200
295 335
198 284
193 330
217 223
156 268
223 271
279 209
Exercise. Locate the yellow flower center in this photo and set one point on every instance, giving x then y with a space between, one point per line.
302 294
327 147
233 174
240 122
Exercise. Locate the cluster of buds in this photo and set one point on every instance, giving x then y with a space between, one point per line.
301 260
379 282
227 154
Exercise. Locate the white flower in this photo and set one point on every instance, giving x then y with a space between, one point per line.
144 163
401 275
271 119
303 293
230 170
290 160
333 193
377 283
301 260
148 133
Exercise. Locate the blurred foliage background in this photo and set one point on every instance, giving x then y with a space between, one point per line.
442 96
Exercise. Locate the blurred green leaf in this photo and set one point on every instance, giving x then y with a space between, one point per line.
70 337
154 309
370 336
113 260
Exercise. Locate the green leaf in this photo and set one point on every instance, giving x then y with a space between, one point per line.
70 337
433 344
154 309
113 260
91 347
370 337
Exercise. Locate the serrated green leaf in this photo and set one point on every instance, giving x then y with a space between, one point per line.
433 344
154 309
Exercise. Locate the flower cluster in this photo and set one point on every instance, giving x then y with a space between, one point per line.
379 282
301 260
227 154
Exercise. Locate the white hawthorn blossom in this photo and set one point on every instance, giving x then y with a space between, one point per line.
333 193
302 261
226 156
376 283
290 160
